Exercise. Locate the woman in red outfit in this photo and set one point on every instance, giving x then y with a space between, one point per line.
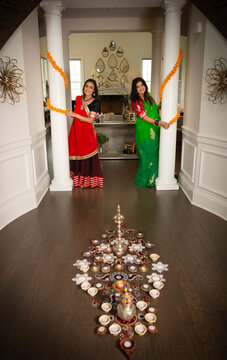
85 167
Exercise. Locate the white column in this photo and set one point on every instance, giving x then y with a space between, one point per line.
156 64
167 149
65 38
59 134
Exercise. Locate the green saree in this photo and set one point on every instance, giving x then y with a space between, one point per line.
147 143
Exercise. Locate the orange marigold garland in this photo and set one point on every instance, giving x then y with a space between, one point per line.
172 72
61 72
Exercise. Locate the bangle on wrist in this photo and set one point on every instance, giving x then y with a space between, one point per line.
156 122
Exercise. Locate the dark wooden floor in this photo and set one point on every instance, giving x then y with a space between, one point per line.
44 315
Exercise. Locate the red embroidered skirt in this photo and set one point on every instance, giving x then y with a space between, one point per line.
86 173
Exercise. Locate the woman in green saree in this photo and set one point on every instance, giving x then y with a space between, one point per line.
148 125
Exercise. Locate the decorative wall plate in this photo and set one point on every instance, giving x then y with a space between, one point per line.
120 52
112 61
124 66
105 52
124 80
100 66
112 76
112 45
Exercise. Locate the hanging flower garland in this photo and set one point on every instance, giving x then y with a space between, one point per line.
61 72
168 77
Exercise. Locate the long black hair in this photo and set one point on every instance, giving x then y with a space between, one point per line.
134 96
95 94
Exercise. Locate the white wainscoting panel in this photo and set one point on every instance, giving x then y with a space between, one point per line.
188 159
203 176
15 177
212 180
24 177
40 167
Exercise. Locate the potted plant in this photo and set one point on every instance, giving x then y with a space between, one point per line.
102 139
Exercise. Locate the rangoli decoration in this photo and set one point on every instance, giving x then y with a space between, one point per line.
11 81
123 286
216 77
168 77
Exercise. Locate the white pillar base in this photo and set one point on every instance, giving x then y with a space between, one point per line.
66 186
159 185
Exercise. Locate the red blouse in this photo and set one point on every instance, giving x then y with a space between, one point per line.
139 109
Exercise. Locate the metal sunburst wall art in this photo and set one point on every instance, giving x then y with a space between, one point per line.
11 81
216 77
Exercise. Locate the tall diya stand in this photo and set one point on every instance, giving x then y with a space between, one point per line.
119 248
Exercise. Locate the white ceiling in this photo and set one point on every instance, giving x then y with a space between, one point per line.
144 10
110 8
110 4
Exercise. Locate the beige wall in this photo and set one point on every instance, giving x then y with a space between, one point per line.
89 46
136 46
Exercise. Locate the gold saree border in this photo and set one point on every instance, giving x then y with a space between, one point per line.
83 157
